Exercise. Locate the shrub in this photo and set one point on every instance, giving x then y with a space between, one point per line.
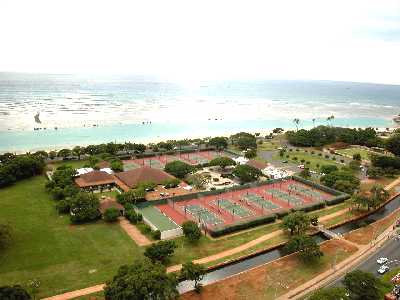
111 214
171 183
63 206
178 168
295 158
191 231
319 154
156 234
160 251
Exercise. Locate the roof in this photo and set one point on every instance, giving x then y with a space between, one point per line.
109 203
82 171
145 174
257 164
94 178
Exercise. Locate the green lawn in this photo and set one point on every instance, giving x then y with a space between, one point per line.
314 159
365 154
72 163
46 247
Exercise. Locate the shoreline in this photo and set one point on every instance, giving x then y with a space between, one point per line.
157 139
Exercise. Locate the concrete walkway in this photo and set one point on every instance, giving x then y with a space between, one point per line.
133 232
392 184
78 293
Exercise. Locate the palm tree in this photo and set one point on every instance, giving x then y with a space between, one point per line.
329 119
296 122
313 121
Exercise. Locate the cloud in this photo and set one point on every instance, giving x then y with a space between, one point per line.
193 40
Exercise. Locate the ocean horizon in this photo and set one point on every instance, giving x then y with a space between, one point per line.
41 111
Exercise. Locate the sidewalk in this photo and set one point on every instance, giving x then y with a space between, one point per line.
133 232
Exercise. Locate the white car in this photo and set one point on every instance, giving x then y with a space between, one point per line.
383 269
301 166
382 260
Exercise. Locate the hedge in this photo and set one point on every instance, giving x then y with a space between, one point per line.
337 200
224 229
310 207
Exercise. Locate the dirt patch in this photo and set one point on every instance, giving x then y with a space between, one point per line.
275 278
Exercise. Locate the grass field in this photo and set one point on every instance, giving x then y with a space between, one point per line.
314 159
46 247
365 154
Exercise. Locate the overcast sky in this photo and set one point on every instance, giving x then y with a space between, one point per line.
194 40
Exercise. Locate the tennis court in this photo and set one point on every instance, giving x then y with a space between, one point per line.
232 207
157 218
260 202
159 161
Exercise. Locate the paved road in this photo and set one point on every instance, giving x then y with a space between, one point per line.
391 250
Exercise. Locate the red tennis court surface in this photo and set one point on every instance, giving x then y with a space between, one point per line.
193 158
234 206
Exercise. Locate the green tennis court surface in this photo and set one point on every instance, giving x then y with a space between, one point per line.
233 208
131 166
305 191
153 215
284 196
260 201
199 159
203 214
154 163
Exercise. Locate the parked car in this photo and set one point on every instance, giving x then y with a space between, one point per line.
284 161
383 269
301 166
382 260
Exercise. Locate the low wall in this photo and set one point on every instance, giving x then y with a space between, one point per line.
173 233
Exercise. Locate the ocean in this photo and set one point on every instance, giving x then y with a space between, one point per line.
81 109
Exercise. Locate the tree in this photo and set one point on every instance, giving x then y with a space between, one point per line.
378 195
132 196
327 169
337 293
117 166
84 207
5 235
171 183
393 144
252 153
342 180
244 140
64 153
222 161
191 231
193 272
15 292
219 142
357 156
160 251
199 181
78 151
306 246
354 165
362 285
296 222
305 173
111 214
296 122
246 173
178 168
142 280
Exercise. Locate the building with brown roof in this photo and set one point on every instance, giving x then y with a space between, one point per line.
257 164
95 179
133 178
111 203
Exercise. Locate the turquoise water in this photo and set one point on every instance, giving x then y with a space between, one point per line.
68 137
144 110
